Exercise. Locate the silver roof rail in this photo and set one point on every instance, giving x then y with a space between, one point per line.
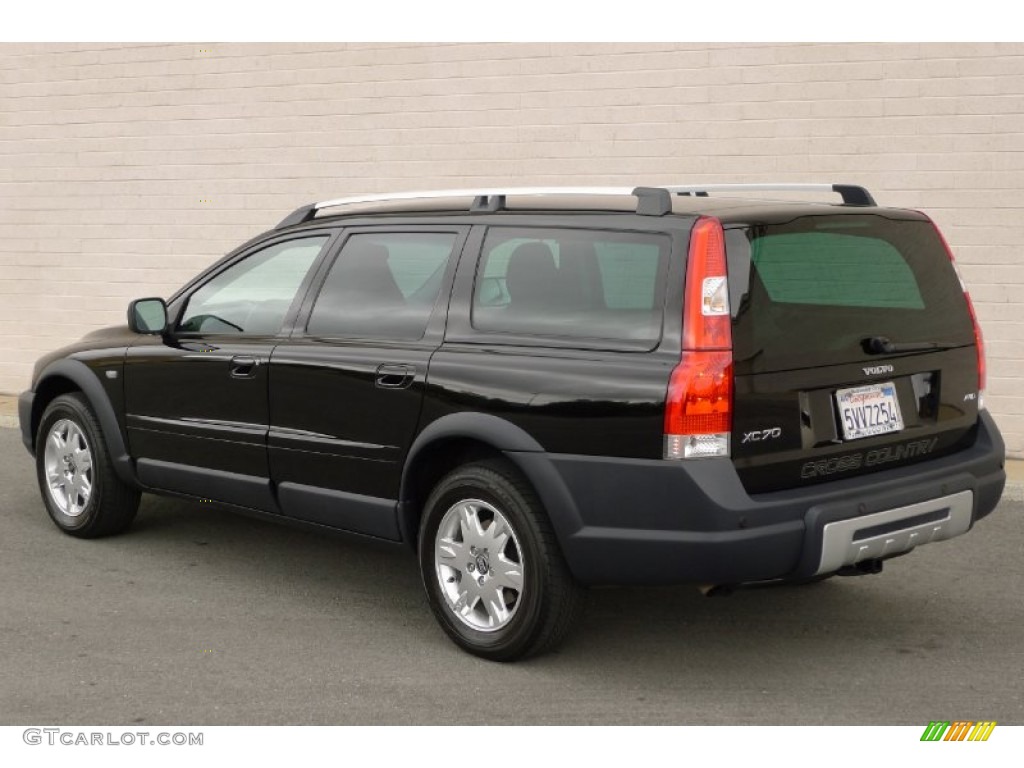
851 193
488 193
483 199
651 201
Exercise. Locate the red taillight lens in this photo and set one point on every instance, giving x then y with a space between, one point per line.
979 339
698 406
700 394
706 321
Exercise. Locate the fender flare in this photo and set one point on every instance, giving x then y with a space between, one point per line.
83 377
516 444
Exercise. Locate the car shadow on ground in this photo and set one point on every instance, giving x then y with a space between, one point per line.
334 572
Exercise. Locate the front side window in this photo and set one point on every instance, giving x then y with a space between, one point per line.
253 295
382 286
574 284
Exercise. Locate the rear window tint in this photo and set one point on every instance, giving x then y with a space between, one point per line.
571 284
811 291
835 269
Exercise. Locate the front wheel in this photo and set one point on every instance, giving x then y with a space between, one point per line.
494 575
82 493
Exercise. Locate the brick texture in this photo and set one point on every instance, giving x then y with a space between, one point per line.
124 169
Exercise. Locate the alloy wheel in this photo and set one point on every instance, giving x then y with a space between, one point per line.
479 565
68 463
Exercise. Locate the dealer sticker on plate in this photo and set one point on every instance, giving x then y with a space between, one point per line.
868 411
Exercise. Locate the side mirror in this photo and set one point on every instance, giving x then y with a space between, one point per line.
147 315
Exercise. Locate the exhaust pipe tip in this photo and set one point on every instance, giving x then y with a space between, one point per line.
863 568
717 590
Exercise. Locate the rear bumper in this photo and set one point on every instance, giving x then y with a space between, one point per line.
893 532
658 522
25 401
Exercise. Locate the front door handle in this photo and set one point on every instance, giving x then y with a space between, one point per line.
394 376
243 367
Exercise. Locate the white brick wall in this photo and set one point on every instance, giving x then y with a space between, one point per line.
125 169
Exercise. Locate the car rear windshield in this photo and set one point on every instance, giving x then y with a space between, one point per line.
813 290
566 283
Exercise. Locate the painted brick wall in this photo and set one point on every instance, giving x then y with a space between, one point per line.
125 168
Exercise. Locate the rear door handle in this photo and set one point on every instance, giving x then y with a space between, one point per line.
243 367
394 376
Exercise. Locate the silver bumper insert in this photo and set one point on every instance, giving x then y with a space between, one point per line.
894 531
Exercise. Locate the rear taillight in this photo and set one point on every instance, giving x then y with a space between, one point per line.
698 407
979 340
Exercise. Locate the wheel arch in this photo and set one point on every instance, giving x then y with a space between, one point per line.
461 438
66 376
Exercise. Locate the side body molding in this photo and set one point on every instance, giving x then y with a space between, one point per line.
516 444
86 380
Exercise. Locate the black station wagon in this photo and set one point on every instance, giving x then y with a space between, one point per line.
539 390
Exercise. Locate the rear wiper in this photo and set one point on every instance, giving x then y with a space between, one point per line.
880 345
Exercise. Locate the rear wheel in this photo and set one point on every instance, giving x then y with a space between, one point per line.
82 493
494 575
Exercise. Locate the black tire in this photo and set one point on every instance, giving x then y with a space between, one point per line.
549 602
111 504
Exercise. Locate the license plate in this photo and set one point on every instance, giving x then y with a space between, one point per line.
868 411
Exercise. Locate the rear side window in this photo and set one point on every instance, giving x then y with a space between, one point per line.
811 291
575 284
629 274
382 286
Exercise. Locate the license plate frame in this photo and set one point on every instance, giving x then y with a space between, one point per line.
869 410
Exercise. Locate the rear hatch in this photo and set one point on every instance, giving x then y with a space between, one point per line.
854 347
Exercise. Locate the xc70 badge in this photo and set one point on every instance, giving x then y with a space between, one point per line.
760 435
874 370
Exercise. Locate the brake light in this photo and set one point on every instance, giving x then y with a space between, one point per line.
979 340
698 406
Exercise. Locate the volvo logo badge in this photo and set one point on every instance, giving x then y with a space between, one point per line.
874 370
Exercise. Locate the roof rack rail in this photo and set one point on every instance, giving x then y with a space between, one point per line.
483 199
651 201
851 193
